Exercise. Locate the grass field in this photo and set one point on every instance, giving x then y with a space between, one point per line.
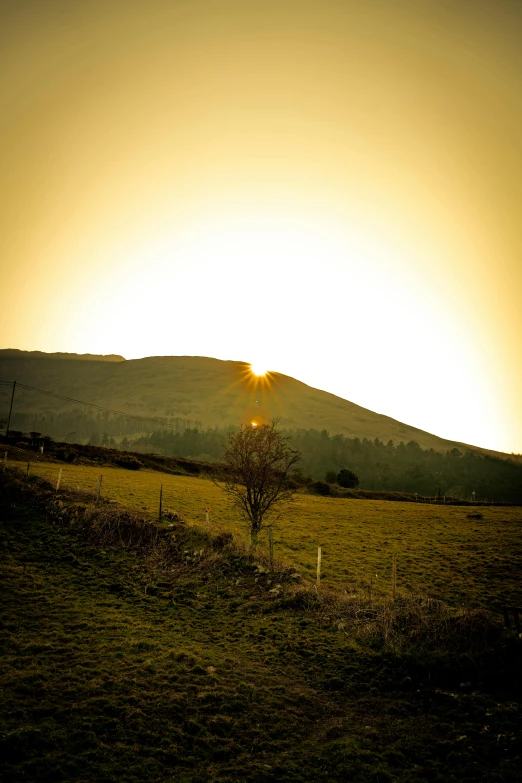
442 551
117 668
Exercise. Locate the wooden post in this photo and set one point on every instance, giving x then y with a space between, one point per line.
10 411
160 515
394 576
207 519
318 567
28 469
98 491
59 479
271 549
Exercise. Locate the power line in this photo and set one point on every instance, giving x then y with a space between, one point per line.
90 404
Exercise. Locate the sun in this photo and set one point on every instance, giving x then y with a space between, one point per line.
258 369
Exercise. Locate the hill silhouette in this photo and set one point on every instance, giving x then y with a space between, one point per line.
77 357
210 391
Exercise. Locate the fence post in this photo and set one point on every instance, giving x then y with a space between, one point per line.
8 425
394 576
59 479
160 515
207 519
28 469
98 491
318 567
271 549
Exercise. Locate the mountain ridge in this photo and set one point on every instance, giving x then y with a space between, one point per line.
18 352
214 391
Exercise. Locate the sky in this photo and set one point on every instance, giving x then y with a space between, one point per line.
328 189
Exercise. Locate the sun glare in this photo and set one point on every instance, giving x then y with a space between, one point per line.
258 369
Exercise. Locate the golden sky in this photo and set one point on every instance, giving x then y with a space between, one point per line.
333 189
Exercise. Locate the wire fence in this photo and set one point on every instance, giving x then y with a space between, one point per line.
400 548
150 493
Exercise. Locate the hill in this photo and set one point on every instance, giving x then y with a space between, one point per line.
77 357
194 389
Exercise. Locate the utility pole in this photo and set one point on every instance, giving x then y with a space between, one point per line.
10 410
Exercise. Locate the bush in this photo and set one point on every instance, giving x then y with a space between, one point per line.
320 488
65 454
130 463
347 479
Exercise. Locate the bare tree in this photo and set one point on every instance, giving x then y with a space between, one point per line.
258 462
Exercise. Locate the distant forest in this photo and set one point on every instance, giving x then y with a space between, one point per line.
402 467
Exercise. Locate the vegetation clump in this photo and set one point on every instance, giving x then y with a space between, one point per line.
321 488
128 462
347 479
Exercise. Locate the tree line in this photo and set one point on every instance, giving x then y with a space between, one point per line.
378 465
401 467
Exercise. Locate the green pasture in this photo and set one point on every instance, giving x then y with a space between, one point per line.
441 551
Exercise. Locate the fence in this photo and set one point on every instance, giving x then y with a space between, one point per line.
357 539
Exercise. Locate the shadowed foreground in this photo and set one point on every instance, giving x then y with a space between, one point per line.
123 665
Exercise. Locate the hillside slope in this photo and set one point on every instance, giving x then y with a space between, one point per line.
215 392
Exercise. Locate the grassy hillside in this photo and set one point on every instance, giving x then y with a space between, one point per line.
464 555
143 662
218 393
14 353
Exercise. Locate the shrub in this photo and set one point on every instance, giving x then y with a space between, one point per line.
130 463
347 479
65 454
321 488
